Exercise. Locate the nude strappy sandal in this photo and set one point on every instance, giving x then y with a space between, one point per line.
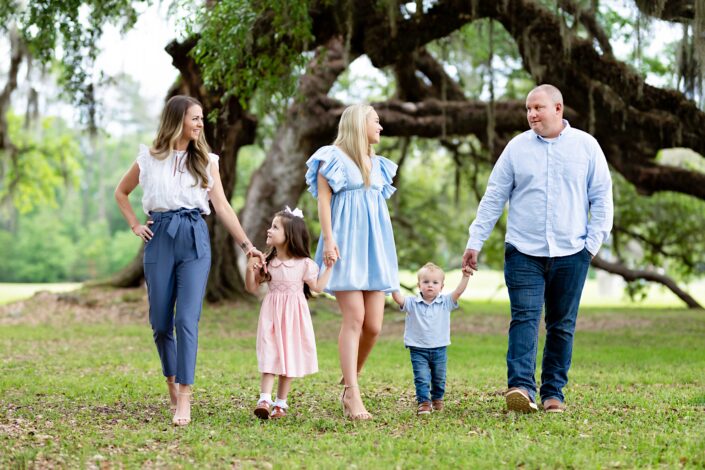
183 420
363 416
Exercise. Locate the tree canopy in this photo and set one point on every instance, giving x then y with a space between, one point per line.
456 74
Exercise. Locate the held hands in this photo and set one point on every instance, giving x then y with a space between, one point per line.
467 271
331 254
143 231
257 259
470 260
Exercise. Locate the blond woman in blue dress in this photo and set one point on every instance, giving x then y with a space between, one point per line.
352 185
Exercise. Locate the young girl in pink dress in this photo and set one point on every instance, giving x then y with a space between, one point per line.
286 345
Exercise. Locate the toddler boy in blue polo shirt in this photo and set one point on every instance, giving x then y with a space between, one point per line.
427 333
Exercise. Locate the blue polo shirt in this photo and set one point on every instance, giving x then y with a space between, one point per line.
427 325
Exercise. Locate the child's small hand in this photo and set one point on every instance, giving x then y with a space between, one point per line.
254 264
467 271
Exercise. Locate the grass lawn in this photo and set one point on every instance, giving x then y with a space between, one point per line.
81 387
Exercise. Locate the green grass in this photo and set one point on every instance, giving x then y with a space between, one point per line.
84 393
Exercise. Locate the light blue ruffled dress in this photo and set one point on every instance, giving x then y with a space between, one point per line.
360 221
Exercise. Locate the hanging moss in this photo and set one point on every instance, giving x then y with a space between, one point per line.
699 43
392 10
491 105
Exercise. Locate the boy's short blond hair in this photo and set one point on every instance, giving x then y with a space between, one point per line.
429 267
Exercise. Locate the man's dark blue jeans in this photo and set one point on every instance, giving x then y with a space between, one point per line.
533 282
429 366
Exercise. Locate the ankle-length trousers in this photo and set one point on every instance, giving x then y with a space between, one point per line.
176 264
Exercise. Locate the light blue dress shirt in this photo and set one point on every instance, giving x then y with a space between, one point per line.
427 325
551 185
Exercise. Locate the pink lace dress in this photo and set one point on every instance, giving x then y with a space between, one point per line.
286 344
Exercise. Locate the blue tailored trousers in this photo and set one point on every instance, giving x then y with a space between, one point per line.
176 264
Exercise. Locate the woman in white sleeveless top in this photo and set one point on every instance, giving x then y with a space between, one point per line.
179 177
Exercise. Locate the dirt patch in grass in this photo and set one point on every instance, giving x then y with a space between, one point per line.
613 322
130 306
91 305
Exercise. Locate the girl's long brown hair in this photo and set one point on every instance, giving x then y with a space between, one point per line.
171 127
297 241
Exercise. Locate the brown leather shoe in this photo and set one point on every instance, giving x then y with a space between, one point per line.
277 412
553 405
424 408
438 405
518 400
262 410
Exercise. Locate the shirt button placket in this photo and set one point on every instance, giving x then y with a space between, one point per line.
551 175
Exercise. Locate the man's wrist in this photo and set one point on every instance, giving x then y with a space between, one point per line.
474 245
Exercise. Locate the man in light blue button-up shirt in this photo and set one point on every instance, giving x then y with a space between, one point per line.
559 190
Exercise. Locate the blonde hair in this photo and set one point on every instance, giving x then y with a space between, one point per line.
171 126
429 267
352 137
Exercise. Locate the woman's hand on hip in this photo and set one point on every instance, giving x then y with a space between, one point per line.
143 231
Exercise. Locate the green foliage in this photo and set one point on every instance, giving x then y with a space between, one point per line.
38 251
87 237
53 246
430 214
265 41
70 30
249 159
646 236
45 161
467 52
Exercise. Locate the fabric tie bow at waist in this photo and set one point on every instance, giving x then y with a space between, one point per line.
191 215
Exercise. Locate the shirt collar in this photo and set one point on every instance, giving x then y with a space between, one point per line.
274 262
566 126
419 298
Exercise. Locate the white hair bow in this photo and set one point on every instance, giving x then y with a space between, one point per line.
296 212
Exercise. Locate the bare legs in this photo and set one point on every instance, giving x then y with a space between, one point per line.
362 312
374 313
173 389
267 384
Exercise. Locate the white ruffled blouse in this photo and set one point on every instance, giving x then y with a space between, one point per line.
168 185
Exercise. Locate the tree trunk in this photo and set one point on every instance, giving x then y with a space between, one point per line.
130 276
279 181
233 129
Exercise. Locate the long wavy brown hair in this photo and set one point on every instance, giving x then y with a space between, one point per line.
171 126
297 240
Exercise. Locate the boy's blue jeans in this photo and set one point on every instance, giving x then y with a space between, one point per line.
533 282
429 366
